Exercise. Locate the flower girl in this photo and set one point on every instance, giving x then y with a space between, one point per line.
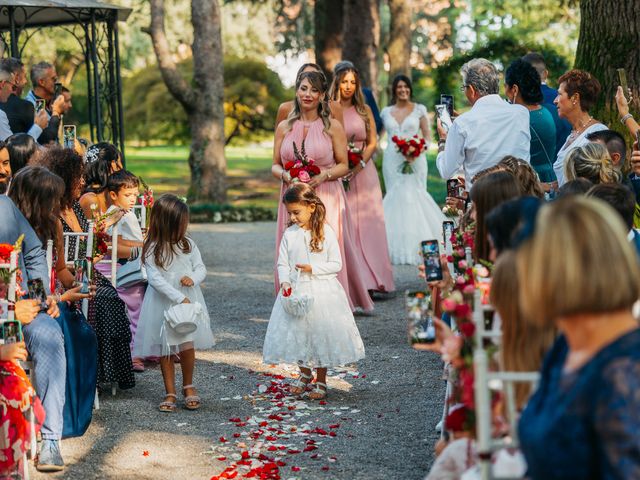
174 273
308 262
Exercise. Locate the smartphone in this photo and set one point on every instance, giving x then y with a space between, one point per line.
69 136
448 101
431 255
421 328
36 291
40 105
622 76
455 189
81 274
443 115
11 331
57 90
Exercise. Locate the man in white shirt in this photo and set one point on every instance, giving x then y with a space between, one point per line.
492 129
6 88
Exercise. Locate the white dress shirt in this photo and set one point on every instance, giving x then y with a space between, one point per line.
5 128
483 136
581 140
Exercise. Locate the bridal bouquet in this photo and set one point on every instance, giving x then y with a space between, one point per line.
410 148
302 168
354 155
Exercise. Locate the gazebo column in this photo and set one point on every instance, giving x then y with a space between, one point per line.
118 85
96 77
15 53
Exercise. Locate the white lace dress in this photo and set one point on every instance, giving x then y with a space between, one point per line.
327 336
410 213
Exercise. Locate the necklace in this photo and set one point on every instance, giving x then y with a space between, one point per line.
583 125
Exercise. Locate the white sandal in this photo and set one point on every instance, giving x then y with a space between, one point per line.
300 384
319 393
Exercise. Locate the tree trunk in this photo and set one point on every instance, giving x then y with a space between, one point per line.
362 38
609 39
203 103
328 21
399 48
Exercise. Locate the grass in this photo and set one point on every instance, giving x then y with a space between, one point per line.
250 182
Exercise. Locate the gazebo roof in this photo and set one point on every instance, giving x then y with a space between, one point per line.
43 13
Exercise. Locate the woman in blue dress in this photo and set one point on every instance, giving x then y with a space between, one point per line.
583 421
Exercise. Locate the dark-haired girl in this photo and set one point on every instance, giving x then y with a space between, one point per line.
522 86
174 272
309 255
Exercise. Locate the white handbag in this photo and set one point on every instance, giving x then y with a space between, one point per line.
297 304
183 318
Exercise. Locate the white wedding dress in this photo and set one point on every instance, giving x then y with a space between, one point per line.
410 213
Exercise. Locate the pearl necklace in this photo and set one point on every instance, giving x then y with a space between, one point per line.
583 126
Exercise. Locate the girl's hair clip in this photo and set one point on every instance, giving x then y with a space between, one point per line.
92 154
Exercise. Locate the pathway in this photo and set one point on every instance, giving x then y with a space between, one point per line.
377 423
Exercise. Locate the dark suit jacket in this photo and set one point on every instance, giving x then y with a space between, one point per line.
20 113
371 101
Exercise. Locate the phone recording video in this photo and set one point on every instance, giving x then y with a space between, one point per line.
36 291
443 115
69 136
455 189
40 105
11 331
448 101
431 255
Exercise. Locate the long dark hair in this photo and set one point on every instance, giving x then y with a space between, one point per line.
487 193
357 100
167 234
394 85
69 166
22 148
37 193
100 158
303 193
319 82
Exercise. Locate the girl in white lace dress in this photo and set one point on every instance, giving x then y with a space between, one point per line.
410 213
327 335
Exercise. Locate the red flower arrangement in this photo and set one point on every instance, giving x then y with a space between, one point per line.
5 274
354 156
302 168
410 148
146 200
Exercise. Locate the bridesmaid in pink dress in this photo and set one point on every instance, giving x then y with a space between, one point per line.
364 195
325 142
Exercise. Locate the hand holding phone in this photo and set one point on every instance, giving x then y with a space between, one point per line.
622 76
444 117
431 256
13 352
12 331
448 101
36 291
40 105
69 136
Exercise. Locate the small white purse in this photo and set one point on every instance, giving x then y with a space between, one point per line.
183 318
297 304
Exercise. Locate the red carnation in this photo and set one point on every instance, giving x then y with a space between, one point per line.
468 329
294 172
289 165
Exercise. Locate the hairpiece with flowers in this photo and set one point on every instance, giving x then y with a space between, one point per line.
92 154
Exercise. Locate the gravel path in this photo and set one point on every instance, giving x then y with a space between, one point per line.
378 421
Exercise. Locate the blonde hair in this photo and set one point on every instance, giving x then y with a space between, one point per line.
591 161
524 344
525 174
579 261
319 82
358 97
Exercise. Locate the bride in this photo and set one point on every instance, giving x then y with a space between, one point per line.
410 213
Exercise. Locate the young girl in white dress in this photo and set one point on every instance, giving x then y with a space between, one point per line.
174 273
327 335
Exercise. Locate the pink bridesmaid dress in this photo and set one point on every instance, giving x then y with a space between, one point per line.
319 147
364 198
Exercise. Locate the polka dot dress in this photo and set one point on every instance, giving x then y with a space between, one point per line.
108 317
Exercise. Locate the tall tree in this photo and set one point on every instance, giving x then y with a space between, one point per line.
203 101
362 38
328 21
609 39
399 47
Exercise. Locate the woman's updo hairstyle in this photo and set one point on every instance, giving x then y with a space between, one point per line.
527 78
99 161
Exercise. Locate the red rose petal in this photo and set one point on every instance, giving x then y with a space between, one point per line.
293 451
325 468
335 425
222 459
272 448
236 435
145 453
322 402
245 455
223 440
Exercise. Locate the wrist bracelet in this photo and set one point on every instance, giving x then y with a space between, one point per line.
328 174
626 117
363 163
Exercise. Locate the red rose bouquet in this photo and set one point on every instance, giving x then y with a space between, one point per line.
410 148
5 274
302 168
355 156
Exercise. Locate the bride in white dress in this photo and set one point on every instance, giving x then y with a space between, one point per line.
410 213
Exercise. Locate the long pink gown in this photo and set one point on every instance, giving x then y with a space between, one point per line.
364 198
354 274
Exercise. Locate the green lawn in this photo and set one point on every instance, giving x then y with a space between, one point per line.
166 169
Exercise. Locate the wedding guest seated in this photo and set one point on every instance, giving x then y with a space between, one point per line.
588 385
591 161
5 168
622 200
43 335
22 150
20 113
6 88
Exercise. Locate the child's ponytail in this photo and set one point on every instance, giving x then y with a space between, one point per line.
303 193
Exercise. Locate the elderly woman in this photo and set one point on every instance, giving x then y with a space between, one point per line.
583 421
591 161
577 93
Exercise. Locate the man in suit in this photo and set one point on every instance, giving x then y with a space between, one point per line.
563 127
43 335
